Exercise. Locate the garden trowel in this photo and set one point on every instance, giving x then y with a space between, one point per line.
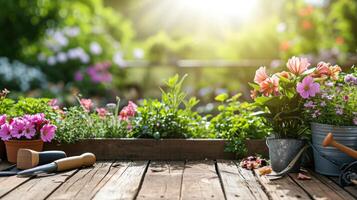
74 162
27 158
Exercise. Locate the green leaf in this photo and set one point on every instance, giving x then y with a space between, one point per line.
254 86
222 97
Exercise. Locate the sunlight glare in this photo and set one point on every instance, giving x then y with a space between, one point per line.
237 9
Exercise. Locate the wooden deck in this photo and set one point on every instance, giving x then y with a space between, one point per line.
209 179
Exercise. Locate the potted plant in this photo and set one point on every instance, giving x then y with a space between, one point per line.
332 110
278 97
237 122
28 131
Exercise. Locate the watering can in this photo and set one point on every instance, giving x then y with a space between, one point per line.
348 174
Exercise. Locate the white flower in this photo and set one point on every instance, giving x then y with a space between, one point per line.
95 48
138 53
118 59
60 39
51 60
78 53
61 57
72 31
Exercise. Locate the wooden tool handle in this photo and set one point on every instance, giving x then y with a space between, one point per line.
329 141
84 160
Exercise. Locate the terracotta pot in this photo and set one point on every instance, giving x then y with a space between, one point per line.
12 146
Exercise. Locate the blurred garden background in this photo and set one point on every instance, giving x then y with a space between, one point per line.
107 48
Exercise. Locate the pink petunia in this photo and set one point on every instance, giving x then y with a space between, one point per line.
308 88
102 112
87 104
128 111
29 130
5 132
48 132
18 127
260 75
2 119
297 65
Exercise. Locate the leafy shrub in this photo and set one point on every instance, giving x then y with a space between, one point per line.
172 117
237 122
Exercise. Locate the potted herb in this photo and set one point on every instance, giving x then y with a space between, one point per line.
278 97
237 122
333 110
28 131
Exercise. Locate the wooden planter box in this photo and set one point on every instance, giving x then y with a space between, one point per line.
150 149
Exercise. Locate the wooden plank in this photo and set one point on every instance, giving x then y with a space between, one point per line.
150 149
162 181
284 188
7 184
124 184
200 181
87 182
319 190
40 187
352 190
239 183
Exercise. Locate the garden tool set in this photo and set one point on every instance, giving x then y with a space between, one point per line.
30 163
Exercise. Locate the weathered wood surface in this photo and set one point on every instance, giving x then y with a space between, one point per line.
163 180
150 149
40 187
124 184
239 183
200 181
87 182
284 188
208 179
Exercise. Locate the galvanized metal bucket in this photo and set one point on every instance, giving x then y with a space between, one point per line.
283 151
346 135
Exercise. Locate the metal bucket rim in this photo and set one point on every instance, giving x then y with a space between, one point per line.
334 126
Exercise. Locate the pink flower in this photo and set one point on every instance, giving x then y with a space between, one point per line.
87 104
48 132
18 127
308 88
297 65
128 111
38 120
2 119
322 70
102 112
260 75
29 130
270 86
53 104
78 76
355 121
5 132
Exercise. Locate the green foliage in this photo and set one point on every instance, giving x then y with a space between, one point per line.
238 122
31 106
6 105
24 22
78 124
172 117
